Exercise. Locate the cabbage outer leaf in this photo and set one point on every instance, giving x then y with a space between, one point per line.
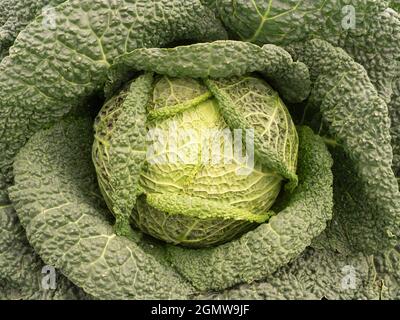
367 198
219 59
119 149
21 268
395 127
16 15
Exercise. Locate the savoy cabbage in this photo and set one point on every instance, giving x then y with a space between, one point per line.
83 82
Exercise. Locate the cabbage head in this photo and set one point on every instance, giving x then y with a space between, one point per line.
199 184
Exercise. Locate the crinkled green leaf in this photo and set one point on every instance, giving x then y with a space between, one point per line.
119 148
367 199
326 274
375 43
59 204
249 102
281 22
315 275
220 59
395 127
16 15
21 268
388 267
